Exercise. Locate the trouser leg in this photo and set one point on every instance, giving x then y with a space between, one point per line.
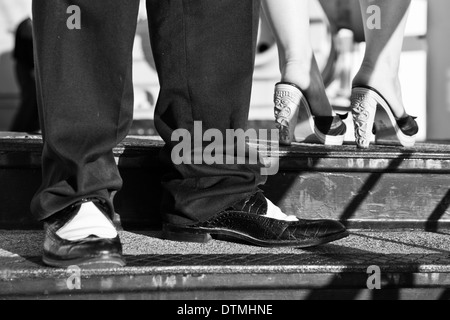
204 52
85 98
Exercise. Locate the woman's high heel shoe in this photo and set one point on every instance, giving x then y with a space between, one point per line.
365 102
290 106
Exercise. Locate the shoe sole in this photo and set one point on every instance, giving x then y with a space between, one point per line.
99 262
204 235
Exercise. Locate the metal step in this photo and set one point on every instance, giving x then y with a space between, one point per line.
380 188
396 265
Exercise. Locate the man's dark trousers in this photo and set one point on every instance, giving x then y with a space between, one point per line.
204 53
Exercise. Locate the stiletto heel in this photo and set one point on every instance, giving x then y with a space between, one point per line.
287 100
292 105
364 108
365 102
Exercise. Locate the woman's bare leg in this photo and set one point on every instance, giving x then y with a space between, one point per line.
290 23
384 46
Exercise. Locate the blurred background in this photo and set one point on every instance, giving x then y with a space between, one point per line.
338 41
